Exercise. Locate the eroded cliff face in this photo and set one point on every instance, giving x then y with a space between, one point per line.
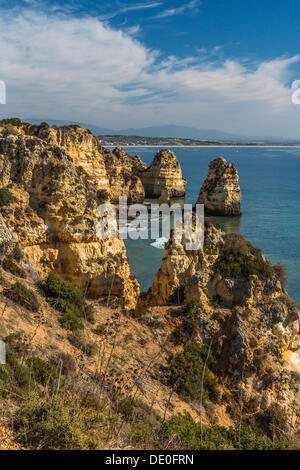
123 172
54 213
220 192
248 319
80 145
163 173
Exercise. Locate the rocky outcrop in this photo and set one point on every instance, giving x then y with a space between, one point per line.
8 239
80 144
54 214
163 173
245 313
220 192
123 172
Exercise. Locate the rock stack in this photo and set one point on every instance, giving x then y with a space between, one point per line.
163 173
220 192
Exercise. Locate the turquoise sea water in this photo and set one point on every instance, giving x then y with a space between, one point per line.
269 179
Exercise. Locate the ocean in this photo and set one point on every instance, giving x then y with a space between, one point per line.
269 180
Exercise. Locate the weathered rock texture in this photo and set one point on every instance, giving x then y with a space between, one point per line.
249 320
123 172
163 173
117 172
8 239
54 212
80 145
220 192
164 197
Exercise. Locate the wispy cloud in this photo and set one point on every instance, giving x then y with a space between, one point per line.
187 7
127 8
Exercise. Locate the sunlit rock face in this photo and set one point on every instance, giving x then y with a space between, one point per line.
54 211
220 192
163 173
123 173
80 145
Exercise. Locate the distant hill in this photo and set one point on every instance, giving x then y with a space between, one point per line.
183 132
172 131
168 131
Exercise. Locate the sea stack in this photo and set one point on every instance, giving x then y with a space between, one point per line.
163 173
220 192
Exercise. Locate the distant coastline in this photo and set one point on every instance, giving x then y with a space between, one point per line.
208 146
177 142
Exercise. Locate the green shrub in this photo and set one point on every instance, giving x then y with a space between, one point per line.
13 375
44 124
23 296
88 313
58 288
240 259
236 266
91 349
11 266
41 370
63 424
281 274
114 301
63 306
100 329
78 339
13 121
135 411
70 321
190 308
6 197
66 298
188 435
186 373
66 361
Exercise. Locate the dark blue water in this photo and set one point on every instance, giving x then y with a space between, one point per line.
269 179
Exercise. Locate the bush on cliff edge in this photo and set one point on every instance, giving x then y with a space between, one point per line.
186 371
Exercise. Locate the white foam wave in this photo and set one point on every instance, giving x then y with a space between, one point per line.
159 243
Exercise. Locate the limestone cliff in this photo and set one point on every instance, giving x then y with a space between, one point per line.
245 313
163 173
80 145
220 192
123 172
54 214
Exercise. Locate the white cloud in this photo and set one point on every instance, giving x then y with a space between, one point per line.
82 69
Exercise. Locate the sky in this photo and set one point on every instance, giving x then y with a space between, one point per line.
226 65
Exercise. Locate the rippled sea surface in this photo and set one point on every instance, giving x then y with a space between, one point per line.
269 179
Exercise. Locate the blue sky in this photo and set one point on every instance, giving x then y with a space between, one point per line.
209 64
